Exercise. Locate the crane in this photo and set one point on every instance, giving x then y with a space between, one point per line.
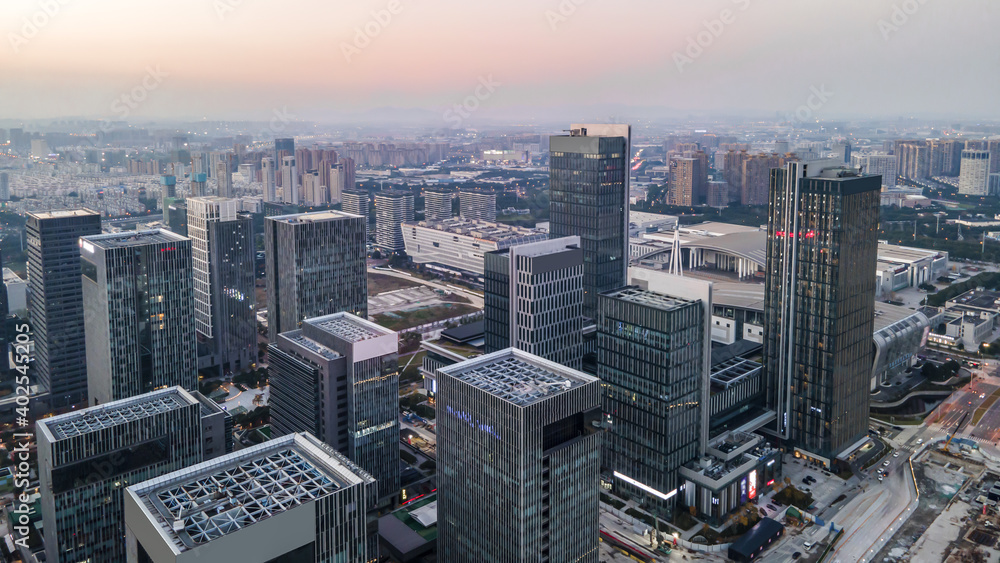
957 427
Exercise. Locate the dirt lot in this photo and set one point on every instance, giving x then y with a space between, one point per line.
380 283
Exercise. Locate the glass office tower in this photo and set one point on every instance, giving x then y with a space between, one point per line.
819 305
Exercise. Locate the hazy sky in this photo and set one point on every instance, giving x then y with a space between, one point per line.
236 59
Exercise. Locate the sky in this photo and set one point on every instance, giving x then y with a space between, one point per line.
514 60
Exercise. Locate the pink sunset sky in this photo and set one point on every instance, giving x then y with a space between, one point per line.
245 58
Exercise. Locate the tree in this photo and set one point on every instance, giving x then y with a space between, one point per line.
693 510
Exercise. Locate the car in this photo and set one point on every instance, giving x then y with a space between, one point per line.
808 545
880 478
885 463
920 441
982 396
776 503
805 480
796 555
895 454
771 507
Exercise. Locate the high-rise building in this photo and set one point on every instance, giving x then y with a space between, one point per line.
437 203
517 437
819 306
224 175
5 299
756 176
913 159
86 458
975 173
316 265
994 147
338 378
138 300
222 257
392 209
685 175
291 499
283 147
4 186
268 175
477 205
650 350
880 165
199 184
289 181
842 152
349 170
733 172
534 300
588 198
56 300
355 202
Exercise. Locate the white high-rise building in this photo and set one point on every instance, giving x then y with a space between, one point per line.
267 170
880 164
975 173
392 209
289 181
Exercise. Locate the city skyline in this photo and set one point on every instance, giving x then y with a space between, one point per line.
861 59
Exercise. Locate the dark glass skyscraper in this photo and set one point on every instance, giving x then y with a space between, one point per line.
316 265
56 300
138 300
518 460
819 306
588 197
338 378
650 361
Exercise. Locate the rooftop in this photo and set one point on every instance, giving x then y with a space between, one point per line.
904 254
314 217
296 337
134 238
650 298
62 213
517 377
484 230
117 412
978 299
209 500
734 370
348 327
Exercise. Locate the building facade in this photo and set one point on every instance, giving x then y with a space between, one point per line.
478 205
294 499
87 456
56 300
138 296
649 358
460 245
437 204
222 257
338 378
534 300
517 437
819 312
355 202
316 265
392 209
588 189
975 173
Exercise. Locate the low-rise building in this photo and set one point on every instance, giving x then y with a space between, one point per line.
736 468
17 291
460 245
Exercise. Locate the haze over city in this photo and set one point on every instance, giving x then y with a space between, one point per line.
241 59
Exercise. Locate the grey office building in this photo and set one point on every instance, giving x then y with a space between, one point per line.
437 203
55 300
289 500
222 256
392 209
338 378
534 300
518 460
588 197
86 459
650 361
819 305
138 299
478 205
316 265
355 202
